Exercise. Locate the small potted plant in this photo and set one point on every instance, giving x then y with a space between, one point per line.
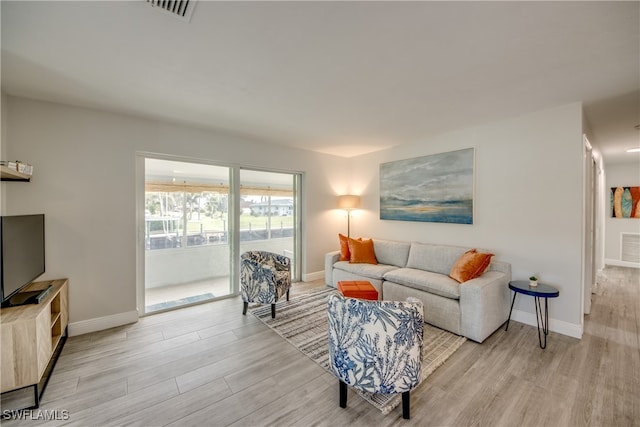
533 281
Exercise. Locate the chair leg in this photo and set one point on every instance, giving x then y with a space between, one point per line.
287 295
405 405
343 394
244 308
273 311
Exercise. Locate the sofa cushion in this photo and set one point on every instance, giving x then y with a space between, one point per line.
435 283
392 253
345 255
470 265
373 271
362 252
435 258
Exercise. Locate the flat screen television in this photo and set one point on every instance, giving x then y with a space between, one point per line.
22 252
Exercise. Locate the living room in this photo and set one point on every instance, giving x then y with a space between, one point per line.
528 183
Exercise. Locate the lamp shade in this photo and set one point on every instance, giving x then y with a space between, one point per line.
348 202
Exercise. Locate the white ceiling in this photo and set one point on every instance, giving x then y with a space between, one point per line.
344 78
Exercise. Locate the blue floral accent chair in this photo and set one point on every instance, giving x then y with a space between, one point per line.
376 346
264 278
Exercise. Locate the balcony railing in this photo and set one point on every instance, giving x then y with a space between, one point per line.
212 237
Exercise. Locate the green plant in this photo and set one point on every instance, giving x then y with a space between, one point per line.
534 278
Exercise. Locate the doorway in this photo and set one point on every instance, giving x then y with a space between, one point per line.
194 221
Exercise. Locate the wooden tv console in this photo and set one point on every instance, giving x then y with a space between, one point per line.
32 337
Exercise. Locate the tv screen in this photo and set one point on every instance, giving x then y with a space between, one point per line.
22 251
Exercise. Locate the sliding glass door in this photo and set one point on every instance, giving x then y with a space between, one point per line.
269 213
198 218
187 249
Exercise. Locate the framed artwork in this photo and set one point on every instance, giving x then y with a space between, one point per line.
625 202
434 188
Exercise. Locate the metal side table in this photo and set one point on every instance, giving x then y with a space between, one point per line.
540 291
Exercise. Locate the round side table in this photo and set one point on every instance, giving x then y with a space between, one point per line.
540 291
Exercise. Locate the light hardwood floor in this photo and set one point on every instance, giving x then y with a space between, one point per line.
209 365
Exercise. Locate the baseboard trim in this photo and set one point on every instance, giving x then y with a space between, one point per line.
316 275
101 323
618 263
555 325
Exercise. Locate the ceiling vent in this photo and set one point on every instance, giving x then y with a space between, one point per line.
181 9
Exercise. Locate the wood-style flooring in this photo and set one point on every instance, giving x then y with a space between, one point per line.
209 365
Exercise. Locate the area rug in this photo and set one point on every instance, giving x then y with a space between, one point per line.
303 322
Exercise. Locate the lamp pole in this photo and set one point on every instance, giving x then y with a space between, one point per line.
348 203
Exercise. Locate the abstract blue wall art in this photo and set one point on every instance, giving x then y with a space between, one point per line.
435 188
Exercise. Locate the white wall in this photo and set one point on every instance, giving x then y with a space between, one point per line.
528 203
84 182
619 175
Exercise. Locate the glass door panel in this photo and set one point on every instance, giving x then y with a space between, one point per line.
187 245
268 213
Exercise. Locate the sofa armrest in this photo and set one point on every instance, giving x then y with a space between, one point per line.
501 266
330 259
484 304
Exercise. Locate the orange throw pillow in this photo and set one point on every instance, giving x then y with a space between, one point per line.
345 255
470 265
362 252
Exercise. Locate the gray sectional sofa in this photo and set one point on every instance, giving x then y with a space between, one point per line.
474 309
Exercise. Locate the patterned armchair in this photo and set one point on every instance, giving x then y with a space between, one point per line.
376 346
264 278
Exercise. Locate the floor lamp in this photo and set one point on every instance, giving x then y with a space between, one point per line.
348 202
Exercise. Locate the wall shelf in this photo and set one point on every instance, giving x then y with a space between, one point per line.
7 174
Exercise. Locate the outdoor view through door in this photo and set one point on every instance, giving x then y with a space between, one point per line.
194 228
268 213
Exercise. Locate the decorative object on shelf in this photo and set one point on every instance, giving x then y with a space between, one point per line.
15 171
435 188
533 281
348 202
18 166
